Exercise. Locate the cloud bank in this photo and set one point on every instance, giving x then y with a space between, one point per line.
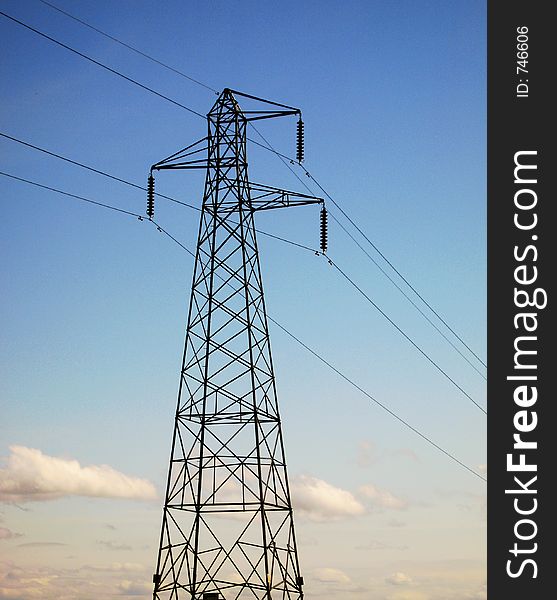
398 578
24 582
8 534
380 498
329 575
320 501
30 475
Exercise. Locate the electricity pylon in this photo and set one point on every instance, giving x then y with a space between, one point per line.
227 529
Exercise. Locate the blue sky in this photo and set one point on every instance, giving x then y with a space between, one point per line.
94 303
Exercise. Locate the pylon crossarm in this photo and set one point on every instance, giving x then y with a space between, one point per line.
255 115
192 164
265 197
176 160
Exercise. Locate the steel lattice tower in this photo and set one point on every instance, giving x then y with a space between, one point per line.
227 529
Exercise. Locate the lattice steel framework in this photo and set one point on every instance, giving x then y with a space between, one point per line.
227 528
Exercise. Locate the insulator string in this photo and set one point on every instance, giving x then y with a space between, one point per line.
150 196
323 238
300 140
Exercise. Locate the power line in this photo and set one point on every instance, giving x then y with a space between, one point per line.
267 146
382 255
414 304
115 72
444 373
98 171
52 189
93 169
288 162
405 335
130 47
287 241
140 187
380 404
102 65
271 149
289 333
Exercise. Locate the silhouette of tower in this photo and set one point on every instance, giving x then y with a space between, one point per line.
227 529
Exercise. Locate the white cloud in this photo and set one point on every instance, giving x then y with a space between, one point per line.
30 475
398 578
482 469
329 575
320 501
381 498
111 545
134 588
8 534
18 582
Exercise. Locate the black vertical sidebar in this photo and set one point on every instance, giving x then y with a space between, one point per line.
522 339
